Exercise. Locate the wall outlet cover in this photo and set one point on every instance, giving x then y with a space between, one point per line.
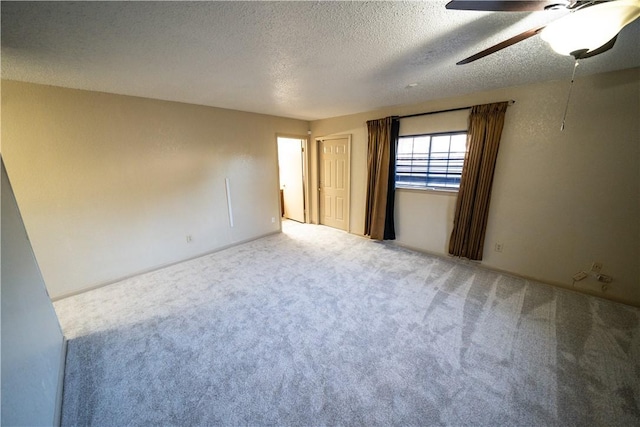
579 276
596 267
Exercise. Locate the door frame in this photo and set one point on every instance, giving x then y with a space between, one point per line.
318 141
305 173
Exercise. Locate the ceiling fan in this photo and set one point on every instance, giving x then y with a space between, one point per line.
591 27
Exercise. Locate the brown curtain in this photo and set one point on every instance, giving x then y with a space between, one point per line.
472 205
383 136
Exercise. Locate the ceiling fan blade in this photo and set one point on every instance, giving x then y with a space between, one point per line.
504 6
513 40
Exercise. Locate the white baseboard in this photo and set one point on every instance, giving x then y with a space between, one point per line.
160 267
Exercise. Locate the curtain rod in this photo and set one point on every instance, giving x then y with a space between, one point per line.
511 102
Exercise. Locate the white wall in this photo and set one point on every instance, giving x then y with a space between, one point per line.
32 341
560 199
111 185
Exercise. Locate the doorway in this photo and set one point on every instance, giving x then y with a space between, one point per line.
334 159
291 167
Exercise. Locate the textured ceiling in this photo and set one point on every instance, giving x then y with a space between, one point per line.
306 60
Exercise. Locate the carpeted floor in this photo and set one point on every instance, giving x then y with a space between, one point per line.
318 327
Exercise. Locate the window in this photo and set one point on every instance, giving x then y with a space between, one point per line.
431 161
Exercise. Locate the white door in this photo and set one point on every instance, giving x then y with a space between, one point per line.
334 159
290 162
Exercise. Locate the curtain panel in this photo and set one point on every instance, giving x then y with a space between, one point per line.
472 206
381 165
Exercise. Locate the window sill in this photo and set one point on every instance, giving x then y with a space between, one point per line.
432 190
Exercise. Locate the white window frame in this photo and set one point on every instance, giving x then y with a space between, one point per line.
421 170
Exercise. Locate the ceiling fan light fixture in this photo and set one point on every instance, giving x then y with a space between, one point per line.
587 29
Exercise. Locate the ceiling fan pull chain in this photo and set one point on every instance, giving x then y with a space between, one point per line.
566 107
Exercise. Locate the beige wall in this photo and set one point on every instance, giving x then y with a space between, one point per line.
111 185
560 199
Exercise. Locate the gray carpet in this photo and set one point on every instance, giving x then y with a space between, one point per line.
318 327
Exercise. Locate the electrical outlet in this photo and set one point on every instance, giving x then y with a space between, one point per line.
596 267
189 238
604 278
273 219
499 247
579 276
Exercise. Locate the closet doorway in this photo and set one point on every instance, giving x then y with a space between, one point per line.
292 171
